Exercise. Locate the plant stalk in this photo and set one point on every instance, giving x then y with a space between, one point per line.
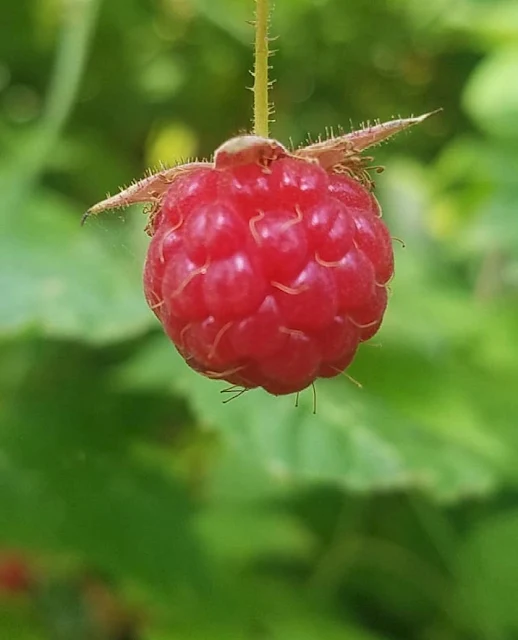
261 84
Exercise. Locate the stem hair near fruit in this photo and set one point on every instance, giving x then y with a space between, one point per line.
261 68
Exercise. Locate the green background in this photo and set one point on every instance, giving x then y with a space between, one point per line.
392 513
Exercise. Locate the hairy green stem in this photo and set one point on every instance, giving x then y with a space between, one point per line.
261 103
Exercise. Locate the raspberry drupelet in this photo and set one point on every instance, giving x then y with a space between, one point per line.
268 274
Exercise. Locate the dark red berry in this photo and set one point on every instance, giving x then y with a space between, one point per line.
268 275
15 575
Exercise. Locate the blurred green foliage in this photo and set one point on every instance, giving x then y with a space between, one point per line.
392 513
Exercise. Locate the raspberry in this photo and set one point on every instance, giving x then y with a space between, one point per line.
15 575
268 274
268 267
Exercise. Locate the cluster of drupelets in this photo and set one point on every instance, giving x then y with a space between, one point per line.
268 267
268 275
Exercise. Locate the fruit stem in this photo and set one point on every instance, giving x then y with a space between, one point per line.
261 85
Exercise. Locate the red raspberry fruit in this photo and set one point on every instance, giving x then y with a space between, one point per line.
268 267
268 275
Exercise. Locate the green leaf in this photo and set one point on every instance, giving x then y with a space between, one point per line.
357 439
67 281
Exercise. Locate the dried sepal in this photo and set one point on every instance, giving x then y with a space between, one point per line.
338 154
150 189
343 151
370 136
